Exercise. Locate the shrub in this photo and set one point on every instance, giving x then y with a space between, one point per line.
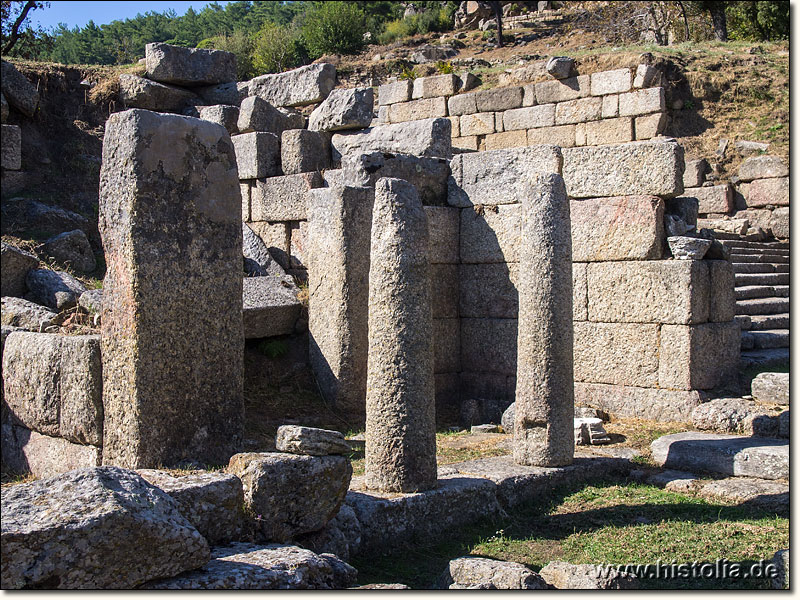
275 49
240 44
436 20
334 28
445 68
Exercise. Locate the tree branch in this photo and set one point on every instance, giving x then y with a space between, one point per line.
12 39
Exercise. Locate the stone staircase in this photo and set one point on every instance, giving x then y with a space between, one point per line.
762 296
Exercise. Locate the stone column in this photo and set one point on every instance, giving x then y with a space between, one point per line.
543 422
339 222
401 425
172 340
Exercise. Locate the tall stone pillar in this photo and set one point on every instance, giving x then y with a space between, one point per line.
543 421
172 341
339 222
401 424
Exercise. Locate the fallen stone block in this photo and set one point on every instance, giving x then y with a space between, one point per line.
589 431
304 151
299 87
289 494
310 441
269 306
646 76
231 93
762 167
688 248
138 92
283 198
222 114
732 415
28 315
256 114
18 91
93 509
189 66
21 214
428 137
764 458
212 502
771 388
72 248
26 451
55 289
11 148
781 561
258 155
560 67
243 566
566 576
473 573
695 173
15 264
674 481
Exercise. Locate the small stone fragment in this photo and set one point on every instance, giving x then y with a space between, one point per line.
688 248
560 67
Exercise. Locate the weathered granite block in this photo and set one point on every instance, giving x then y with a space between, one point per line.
698 356
283 198
609 131
269 306
299 87
256 114
28 315
622 401
491 235
650 126
164 400
506 139
561 135
489 345
428 175
223 114
762 167
477 124
304 151
343 109
722 295
713 199
189 66
258 154
530 117
443 227
15 264
437 85
446 345
16 88
444 290
488 290
580 302
26 451
642 102
138 92
462 104
616 353
428 137
390 93
766 192
562 90
771 388
426 108
498 99
578 111
611 82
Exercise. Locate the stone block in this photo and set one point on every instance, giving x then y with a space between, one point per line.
768 192
579 292
779 222
11 148
490 237
477 124
578 111
426 108
232 93
55 289
304 151
492 393
455 126
258 260
650 126
626 402
561 135
469 142
762 167
283 198
560 67
17 90
391 93
444 291
565 576
26 451
506 139
269 307
189 66
15 264
646 76
428 138
256 114
138 92
528 118
722 295
616 353
298 236
610 108
771 388
462 104
276 238
653 168
665 291
446 345
713 199
26 314
489 345
563 90
642 102
611 82
493 177
620 228
437 85
698 356
428 175
222 114
695 173
498 99
164 401
609 131
343 109
443 238
258 155
488 291
72 249
469 573
448 398
299 87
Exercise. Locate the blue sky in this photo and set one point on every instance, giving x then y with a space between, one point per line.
79 13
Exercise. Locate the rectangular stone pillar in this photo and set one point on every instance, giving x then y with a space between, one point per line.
401 423
543 420
338 237
172 340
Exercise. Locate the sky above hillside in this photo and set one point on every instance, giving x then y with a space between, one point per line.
79 13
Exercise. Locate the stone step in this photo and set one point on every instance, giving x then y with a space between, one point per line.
756 245
771 358
746 292
740 257
765 458
761 279
743 321
753 267
765 322
762 306
781 268
770 338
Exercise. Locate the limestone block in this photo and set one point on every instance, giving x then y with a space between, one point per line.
11 148
771 388
256 114
578 111
426 108
609 131
477 124
339 222
611 82
139 92
620 228
164 401
610 107
222 114
622 401
28 315
491 237
666 291
616 353
722 295
579 292
563 90
258 155
762 167
189 66
17 90
391 93
560 135
469 142
695 173
26 451
462 104
506 139
438 85
498 99
443 239
428 137
489 345
343 109
493 177
444 295
654 168
304 151
269 307
699 356
642 102
766 192
15 264
447 345
528 118
650 126
299 87
428 175
488 290
283 198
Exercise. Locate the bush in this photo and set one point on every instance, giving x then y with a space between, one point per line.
275 49
334 28
426 22
758 21
240 44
